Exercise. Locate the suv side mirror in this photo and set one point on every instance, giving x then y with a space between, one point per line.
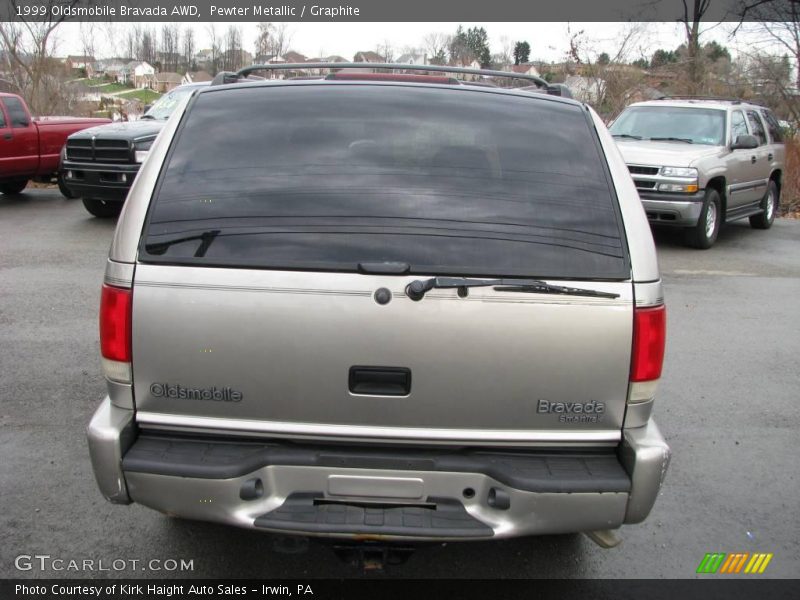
745 142
146 108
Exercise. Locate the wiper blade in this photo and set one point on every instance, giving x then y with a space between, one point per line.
671 139
147 117
627 136
417 289
205 238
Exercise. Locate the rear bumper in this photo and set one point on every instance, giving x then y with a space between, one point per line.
373 493
672 209
102 181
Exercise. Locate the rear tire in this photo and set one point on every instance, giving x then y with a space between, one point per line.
704 234
13 187
102 208
769 206
65 191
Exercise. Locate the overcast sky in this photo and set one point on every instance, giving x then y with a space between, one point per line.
549 41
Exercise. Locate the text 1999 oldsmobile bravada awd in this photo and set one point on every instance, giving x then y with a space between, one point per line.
383 306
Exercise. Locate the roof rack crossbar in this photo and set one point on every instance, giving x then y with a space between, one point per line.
712 98
231 77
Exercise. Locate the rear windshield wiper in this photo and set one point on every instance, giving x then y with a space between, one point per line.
671 139
416 289
627 136
205 239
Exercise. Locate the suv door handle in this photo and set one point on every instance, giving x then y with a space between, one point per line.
769 156
7 136
753 159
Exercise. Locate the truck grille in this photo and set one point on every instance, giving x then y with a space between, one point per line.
102 151
79 149
643 170
645 185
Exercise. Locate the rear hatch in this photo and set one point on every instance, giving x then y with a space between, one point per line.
260 300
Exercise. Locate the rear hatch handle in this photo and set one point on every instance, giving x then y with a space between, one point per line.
417 289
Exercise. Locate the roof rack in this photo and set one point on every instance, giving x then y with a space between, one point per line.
224 77
711 98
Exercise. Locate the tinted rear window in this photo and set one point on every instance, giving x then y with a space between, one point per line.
327 176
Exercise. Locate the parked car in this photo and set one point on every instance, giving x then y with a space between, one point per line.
700 162
397 307
30 147
101 163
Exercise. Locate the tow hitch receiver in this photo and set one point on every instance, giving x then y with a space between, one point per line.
373 558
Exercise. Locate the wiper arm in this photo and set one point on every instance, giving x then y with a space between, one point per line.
627 136
417 289
671 139
147 117
206 238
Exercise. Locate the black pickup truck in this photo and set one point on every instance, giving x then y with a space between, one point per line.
99 164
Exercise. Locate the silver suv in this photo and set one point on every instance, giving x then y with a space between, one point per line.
383 306
701 162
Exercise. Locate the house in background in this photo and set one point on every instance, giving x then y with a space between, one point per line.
110 67
167 81
641 93
325 59
524 69
368 57
196 77
203 56
294 57
586 89
76 63
413 58
138 73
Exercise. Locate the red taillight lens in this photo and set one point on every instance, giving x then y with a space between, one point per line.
115 324
649 336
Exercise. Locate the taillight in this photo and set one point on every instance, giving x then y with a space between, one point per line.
115 332
649 336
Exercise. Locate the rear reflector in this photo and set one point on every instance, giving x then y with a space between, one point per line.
117 371
649 336
115 324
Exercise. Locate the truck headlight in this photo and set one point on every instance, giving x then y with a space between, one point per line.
141 150
679 172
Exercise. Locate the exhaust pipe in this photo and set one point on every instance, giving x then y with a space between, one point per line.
605 538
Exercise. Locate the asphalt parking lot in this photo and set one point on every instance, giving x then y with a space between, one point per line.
729 405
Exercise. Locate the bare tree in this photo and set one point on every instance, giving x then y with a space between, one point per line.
691 24
112 38
132 42
435 45
28 49
232 56
608 83
148 47
281 39
214 40
88 34
168 53
263 43
774 22
188 49
506 50
386 50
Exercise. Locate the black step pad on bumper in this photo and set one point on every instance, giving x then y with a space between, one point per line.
541 470
447 518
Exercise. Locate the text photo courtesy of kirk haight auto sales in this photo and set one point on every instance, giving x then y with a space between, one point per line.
399 299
